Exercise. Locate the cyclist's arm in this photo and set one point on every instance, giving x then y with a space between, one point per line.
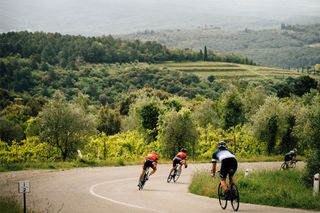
213 170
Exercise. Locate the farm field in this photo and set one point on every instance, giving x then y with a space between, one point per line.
221 70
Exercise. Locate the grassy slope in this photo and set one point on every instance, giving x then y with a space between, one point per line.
223 70
274 188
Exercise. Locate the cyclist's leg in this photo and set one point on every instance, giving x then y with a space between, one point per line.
153 167
224 184
181 162
232 171
144 167
223 173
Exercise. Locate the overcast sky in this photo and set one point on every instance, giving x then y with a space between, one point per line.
96 17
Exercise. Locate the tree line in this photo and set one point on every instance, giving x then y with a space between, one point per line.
70 51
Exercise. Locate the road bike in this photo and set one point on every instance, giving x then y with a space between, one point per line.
234 196
288 165
144 179
174 175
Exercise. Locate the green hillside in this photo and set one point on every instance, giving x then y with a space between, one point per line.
222 70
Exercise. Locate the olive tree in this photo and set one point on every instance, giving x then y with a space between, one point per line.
308 131
65 125
177 130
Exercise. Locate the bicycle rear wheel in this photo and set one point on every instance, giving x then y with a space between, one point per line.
293 164
222 200
169 177
235 200
284 166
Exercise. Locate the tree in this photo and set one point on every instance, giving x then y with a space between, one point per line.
205 54
148 114
10 131
177 130
109 120
232 109
65 125
308 131
266 122
303 85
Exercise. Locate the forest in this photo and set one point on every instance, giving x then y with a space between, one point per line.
105 97
288 46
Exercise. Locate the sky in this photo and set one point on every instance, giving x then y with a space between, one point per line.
99 17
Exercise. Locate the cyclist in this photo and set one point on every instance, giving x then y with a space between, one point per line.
181 159
290 156
151 160
229 166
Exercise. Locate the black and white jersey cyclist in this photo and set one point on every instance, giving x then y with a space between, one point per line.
229 165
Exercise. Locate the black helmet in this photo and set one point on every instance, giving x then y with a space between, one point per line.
183 150
222 145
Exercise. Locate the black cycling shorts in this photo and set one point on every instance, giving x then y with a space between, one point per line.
288 158
176 161
228 167
148 163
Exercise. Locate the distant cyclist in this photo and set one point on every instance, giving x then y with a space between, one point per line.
151 160
229 166
290 156
181 159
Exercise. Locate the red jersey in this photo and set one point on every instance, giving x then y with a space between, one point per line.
152 156
181 155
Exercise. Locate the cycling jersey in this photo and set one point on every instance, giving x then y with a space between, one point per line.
149 159
152 156
222 154
181 155
229 163
289 156
178 158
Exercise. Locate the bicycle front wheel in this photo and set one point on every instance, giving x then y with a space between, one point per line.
169 178
176 175
222 200
235 199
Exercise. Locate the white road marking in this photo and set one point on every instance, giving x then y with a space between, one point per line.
116 201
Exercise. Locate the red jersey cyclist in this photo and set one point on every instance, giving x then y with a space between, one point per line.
181 159
151 160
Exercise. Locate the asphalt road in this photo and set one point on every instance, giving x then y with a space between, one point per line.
114 189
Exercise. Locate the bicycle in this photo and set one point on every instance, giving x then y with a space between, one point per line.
288 164
234 199
145 178
176 174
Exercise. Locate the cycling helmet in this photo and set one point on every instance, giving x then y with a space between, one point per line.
154 151
183 150
222 145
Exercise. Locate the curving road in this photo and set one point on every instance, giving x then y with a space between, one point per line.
113 189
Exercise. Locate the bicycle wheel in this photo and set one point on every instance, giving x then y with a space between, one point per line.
145 178
293 164
235 199
284 166
169 177
222 200
176 175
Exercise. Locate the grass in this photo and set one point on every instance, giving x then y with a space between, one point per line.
223 70
273 188
11 205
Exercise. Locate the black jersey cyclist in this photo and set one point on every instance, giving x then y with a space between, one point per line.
229 166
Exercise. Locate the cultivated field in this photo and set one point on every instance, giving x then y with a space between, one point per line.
221 70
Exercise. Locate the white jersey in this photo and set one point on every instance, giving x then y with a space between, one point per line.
221 155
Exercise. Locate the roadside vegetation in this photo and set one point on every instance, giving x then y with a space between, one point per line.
11 205
273 188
